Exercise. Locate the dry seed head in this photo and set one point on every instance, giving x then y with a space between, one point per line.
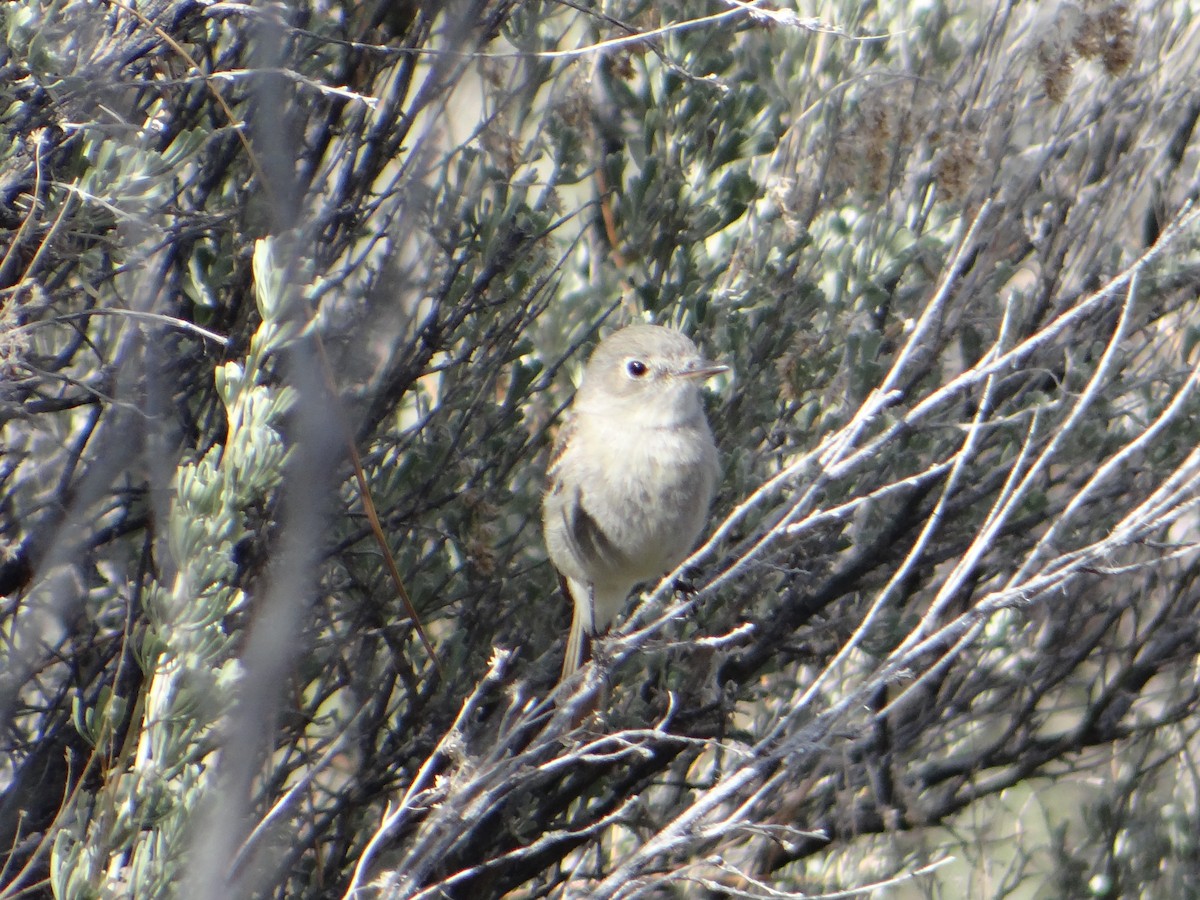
1088 40
1054 65
1119 39
955 166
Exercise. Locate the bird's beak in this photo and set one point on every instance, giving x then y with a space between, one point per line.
703 368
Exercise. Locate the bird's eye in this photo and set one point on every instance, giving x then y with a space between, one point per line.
636 368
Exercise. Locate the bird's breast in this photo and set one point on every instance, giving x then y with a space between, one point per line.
650 490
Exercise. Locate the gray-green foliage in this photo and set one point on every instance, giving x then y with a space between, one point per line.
908 228
186 651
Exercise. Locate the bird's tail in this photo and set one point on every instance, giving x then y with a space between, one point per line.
580 639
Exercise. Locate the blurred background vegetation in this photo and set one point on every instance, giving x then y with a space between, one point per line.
944 641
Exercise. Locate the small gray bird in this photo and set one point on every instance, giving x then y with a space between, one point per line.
632 474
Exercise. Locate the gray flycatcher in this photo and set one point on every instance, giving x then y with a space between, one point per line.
631 477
